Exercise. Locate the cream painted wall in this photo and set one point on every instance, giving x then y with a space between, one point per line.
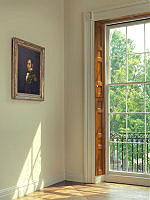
74 81
32 133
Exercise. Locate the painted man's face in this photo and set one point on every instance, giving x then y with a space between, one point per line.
29 65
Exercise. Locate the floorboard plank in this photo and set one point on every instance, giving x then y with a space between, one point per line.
67 190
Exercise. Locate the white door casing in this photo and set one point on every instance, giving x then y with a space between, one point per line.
136 7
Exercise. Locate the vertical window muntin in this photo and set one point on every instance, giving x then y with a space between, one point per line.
127 139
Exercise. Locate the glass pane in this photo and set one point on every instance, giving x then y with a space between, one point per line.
129 144
113 156
147 89
148 143
148 157
136 127
118 156
132 158
118 41
136 157
136 137
135 98
117 127
141 157
135 35
118 69
147 38
136 67
118 98
123 156
148 127
147 59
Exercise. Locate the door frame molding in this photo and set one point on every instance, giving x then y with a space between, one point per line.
135 7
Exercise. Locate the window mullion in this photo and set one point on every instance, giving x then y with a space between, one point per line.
145 115
126 101
129 83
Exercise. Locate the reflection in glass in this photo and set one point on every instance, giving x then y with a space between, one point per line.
118 156
118 41
136 157
118 127
136 126
135 98
135 35
118 98
148 156
148 127
129 125
136 68
118 69
147 38
147 60
147 89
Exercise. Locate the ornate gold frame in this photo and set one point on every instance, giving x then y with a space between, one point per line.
14 89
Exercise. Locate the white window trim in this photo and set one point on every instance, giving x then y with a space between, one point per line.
108 83
136 7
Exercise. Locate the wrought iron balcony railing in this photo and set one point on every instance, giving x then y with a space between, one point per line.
130 152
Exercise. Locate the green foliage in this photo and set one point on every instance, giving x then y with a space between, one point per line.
119 45
122 52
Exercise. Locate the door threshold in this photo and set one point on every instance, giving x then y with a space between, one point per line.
141 181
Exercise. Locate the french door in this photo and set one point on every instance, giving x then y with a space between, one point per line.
123 97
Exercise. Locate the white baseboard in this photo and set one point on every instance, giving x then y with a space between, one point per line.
26 188
74 177
18 191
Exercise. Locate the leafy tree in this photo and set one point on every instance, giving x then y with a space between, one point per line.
122 51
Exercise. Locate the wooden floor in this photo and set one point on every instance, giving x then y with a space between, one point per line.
104 191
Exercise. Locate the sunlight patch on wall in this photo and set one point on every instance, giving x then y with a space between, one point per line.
29 176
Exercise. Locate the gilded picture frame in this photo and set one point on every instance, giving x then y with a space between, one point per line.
28 62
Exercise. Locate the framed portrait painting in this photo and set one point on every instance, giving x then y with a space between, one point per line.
27 70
